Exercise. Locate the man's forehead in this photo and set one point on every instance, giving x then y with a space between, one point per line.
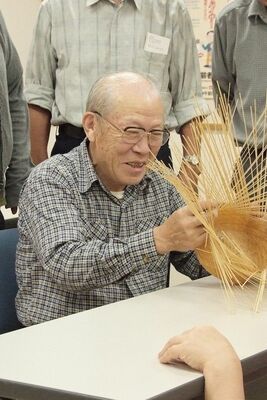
137 100
135 109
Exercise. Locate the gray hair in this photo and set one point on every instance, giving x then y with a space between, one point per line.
104 92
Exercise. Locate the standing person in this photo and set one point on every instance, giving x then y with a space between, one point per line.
14 141
95 225
76 42
239 72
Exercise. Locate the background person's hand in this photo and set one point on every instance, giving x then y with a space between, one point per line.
205 349
199 347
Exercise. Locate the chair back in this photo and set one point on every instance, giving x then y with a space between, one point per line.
8 283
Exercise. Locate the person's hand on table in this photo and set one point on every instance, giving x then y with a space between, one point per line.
205 349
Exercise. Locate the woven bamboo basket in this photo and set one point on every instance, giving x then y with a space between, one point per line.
236 246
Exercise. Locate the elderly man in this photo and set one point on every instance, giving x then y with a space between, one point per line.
96 227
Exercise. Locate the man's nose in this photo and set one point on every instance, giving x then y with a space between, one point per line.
142 146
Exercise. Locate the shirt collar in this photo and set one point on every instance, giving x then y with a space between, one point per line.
138 3
86 172
256 9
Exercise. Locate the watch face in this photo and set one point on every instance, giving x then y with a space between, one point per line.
193 159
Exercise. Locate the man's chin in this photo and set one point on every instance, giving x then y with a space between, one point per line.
135 180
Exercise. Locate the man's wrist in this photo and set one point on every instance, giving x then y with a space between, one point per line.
161 244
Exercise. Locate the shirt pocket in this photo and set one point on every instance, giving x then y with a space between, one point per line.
145 224
154 65
96 229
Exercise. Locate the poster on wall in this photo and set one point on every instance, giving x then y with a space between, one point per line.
203 14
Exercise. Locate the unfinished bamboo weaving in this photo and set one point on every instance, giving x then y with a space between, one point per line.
236 246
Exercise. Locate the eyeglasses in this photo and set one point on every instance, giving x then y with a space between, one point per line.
133 134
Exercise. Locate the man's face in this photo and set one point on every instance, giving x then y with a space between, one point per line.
118 163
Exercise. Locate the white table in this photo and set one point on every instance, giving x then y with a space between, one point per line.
111 352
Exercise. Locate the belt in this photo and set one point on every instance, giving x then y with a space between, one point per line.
71 131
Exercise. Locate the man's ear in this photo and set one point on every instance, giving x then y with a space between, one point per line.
89 125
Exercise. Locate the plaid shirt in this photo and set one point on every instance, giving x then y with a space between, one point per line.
80 247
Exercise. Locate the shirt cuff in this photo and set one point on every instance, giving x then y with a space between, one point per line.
143 250
187 110
39 95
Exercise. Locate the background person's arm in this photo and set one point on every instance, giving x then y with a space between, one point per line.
223 75
185 81
39 132
40 81
185 87
191 146
205 349
19 163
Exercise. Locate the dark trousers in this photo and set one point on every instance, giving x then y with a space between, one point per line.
8 223
65 142
2 221
70 136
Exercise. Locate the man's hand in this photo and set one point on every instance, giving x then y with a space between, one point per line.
182 231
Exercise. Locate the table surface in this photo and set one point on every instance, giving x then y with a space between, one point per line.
111 352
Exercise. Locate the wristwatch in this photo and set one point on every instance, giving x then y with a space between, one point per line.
191 159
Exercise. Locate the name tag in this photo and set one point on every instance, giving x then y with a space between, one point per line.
156 44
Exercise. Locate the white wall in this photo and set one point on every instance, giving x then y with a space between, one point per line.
20 17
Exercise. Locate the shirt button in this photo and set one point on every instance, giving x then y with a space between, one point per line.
145 258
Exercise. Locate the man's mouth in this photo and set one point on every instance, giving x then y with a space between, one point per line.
136 164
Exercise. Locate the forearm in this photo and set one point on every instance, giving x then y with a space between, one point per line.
19 167
190 171
39 132
191 143
224 381
187 264
84 264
